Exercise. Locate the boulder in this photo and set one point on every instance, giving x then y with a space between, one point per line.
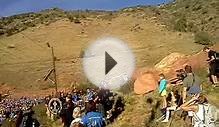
145 83
167 63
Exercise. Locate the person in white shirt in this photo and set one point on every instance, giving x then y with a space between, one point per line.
196 106
77 116
174 103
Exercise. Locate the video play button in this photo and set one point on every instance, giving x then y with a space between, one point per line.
108 63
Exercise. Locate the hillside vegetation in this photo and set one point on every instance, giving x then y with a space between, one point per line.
197 16
17 23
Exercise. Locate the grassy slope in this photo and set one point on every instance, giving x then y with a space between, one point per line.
200 15
139 113
141 27
68 41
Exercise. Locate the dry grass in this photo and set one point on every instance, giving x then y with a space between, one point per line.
150 44
135 112
149 39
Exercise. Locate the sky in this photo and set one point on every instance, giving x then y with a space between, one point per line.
12 7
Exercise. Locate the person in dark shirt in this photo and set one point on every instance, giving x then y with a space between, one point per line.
212 64
27 120
19 118
67 111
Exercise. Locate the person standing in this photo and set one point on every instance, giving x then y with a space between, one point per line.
191 83
67 111
162 89
212 64
92 118
28 120
90 94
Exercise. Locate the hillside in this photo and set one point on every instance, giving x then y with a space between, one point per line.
152 32
180 15
25 57
197 16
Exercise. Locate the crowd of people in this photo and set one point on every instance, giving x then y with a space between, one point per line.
99 107
90 108
14 109
190 98
93 108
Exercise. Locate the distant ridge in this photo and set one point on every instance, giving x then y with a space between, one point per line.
196 16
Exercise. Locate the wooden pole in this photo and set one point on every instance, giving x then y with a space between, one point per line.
54 69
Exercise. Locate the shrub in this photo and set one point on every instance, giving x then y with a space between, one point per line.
41 18
30 24
2 32
71 18
196 8
108 16
47 23
23 28
181 24
1 25
77 21
77 16
83 16
204 11
8 21
74 19
10 31
203 38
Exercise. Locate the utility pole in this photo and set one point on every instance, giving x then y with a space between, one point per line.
54 67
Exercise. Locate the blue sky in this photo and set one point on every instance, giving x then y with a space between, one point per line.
11 7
